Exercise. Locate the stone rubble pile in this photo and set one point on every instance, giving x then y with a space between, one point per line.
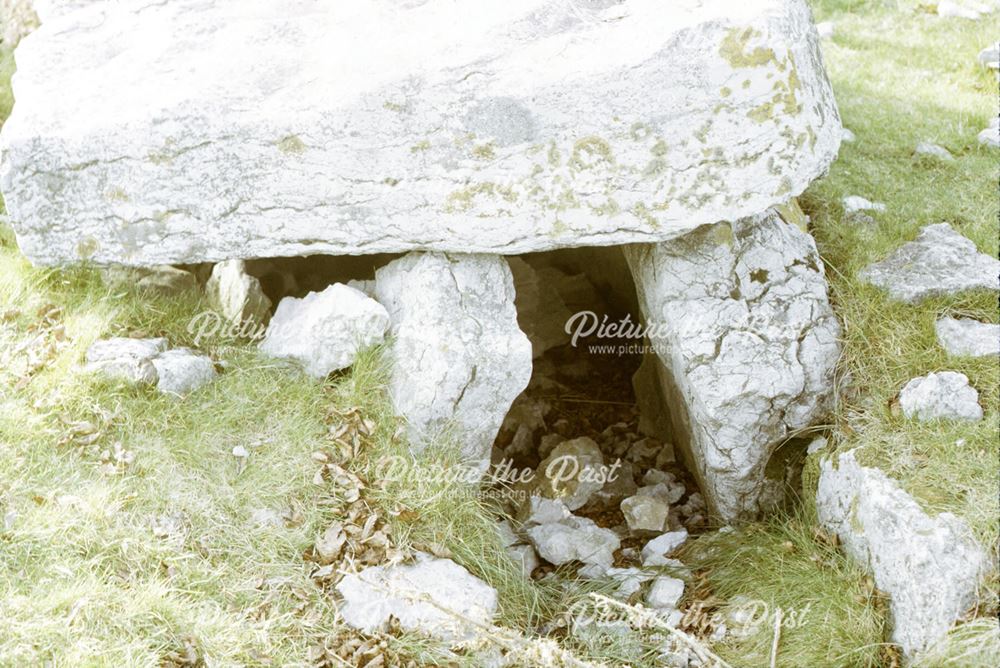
176 371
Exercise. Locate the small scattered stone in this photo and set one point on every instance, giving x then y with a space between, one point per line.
236 295
817 445
940 261
944 395
506 533
572 472
325 331
575 539
542 510
267 517
933 150
825 29
432 596
645 513
964 337
181 370
665 593
167 280
990 56
949 9
525 557
990 137
655 551
124 358
848 136
853 203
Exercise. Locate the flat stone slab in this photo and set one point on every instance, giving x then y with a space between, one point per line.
964 337
176 132
939 262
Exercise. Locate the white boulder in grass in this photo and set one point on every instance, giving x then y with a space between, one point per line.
433 596
939 262
945 395
540 124
665 593
855 203
990 56
929 566
964 337
990 137
575 539
180 371
124 358
654 552
458 359
746 345
934 150
236 295
325 331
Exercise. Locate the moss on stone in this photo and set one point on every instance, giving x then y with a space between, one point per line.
291 145
734 45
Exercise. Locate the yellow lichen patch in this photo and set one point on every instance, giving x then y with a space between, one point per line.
723 233
117 194
463 200
484 151
792 214
590 152
291 145
733 49
422 145
87 247
725 91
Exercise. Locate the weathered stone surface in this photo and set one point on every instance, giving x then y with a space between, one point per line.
654 553
990 56
541 314
855 203
540 124
458 357
128 359
572 473
739 317
934 151
167 280
645 513
575 539
432 596
181 370
324 331
524 556
930 567
964 337
237 295
665 593
991 135
946 395
940 261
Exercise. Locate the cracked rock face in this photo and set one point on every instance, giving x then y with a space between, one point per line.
945 395
940 261
458 358
432 596
930 567
235 294
531 128
747 344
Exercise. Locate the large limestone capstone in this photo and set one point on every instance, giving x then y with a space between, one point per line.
458 359
746 342
930 567
185 131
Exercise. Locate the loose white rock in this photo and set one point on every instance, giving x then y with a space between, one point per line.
854 203
645 513
458 357
540 124
940 261
990 137
930 567
236 295
848 136
964 337
950 9
180 371
747 345
167 280
990 56
524 556
946 395
655 552
432 596
324 331
128 359
825 29
933 150
572 472
575 539
542 510
665 593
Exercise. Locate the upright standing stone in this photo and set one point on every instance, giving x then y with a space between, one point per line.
747 344
458 358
